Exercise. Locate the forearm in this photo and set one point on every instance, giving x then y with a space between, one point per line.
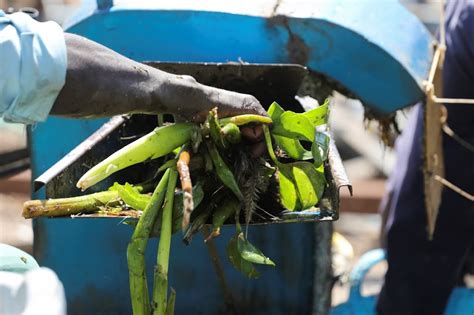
101 82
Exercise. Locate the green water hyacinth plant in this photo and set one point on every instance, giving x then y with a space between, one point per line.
207 175
301 183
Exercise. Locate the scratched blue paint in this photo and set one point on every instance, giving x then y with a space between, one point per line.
380 81
385 24
361 48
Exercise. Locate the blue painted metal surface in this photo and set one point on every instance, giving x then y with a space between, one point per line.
363 45
89 257
461 301
376 49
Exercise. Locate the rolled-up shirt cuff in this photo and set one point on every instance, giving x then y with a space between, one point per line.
42 71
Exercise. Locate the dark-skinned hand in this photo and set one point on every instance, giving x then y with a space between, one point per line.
101 82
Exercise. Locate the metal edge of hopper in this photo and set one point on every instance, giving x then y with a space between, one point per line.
77 152
328 208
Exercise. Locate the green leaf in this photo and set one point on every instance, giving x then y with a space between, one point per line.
288 191
309 182
319 115
293 148
275 112
301 185
320 148
290 124
250 253
224 173
317 154
323 140
238 262
296 125
224 211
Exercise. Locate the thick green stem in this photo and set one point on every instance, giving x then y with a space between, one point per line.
215 129
268 141
240 120
166 165
160 289
158 143
70 206
136 250
171 302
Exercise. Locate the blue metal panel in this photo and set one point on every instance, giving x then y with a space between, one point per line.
368 50
53 139
376 49
89 256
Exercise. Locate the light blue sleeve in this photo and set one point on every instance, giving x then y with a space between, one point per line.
33 63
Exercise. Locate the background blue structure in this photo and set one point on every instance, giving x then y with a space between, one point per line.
461 300
375 49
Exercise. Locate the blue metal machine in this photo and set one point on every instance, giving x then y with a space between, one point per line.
374 50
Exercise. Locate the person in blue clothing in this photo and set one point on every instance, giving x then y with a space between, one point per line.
46 71
422 273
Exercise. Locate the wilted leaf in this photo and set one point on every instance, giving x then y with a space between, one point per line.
250 253
238 262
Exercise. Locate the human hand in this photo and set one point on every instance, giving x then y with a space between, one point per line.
101 82
192 101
